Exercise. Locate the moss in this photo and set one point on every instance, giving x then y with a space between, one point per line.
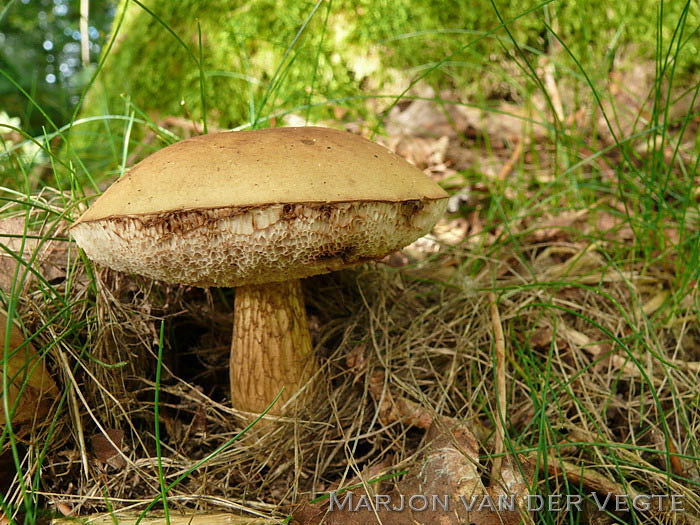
365 46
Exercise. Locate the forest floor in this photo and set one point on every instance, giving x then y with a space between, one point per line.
542 340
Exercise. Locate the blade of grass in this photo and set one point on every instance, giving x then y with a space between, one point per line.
156 415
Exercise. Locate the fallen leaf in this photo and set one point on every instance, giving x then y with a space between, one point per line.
356 361
28 378
446 489
579 340
422 152
50 261
64 509
11 231
108 451
614 227
426 118
556 227
451 232
542 337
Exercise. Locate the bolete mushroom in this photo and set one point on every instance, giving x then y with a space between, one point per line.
259 210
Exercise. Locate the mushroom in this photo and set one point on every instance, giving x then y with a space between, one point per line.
259 210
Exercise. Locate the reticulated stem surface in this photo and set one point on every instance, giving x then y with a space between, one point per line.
271 346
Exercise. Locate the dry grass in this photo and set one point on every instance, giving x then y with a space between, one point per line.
588 383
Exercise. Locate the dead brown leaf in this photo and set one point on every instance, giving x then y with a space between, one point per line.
446 489
579 340
28 378
107 449
64 509
614 227
451 231
356 361
11 231
421 151
50 261
426 118
551 228
542 337
392 409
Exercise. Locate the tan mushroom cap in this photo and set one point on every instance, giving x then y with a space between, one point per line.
248 207
271 166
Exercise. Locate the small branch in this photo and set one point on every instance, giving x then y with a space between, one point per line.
84 32
553 91
500 347
510 164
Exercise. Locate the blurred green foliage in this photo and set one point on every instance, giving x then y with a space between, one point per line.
40 54
357 44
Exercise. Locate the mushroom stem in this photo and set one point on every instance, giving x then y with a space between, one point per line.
271 346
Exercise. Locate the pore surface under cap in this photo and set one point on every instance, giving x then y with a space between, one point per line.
234 247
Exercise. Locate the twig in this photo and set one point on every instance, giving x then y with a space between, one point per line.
76 413
578 475
553 90
510 163
500 347
84 32
194 518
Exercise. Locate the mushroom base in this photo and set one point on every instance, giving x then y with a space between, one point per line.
271 347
